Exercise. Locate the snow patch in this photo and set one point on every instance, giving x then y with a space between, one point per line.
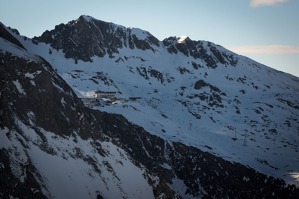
19 87
140 34
63 101
29 75
166 166
179 186
295 176
16 50
182 39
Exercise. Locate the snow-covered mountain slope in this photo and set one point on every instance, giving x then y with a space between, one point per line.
195 95
50 146
54 147
194 92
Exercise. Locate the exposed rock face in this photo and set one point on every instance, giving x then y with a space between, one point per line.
199 50
86 37
39 76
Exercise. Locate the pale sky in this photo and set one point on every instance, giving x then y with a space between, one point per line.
264 30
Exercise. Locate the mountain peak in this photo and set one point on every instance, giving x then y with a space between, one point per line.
87 37
86 18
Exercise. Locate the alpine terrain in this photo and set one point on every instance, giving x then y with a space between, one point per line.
92 109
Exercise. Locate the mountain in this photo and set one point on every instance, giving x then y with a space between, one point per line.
195 92
191 119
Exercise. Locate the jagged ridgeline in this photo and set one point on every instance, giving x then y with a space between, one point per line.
188 119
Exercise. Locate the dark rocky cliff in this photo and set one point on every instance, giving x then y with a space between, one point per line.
86 37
